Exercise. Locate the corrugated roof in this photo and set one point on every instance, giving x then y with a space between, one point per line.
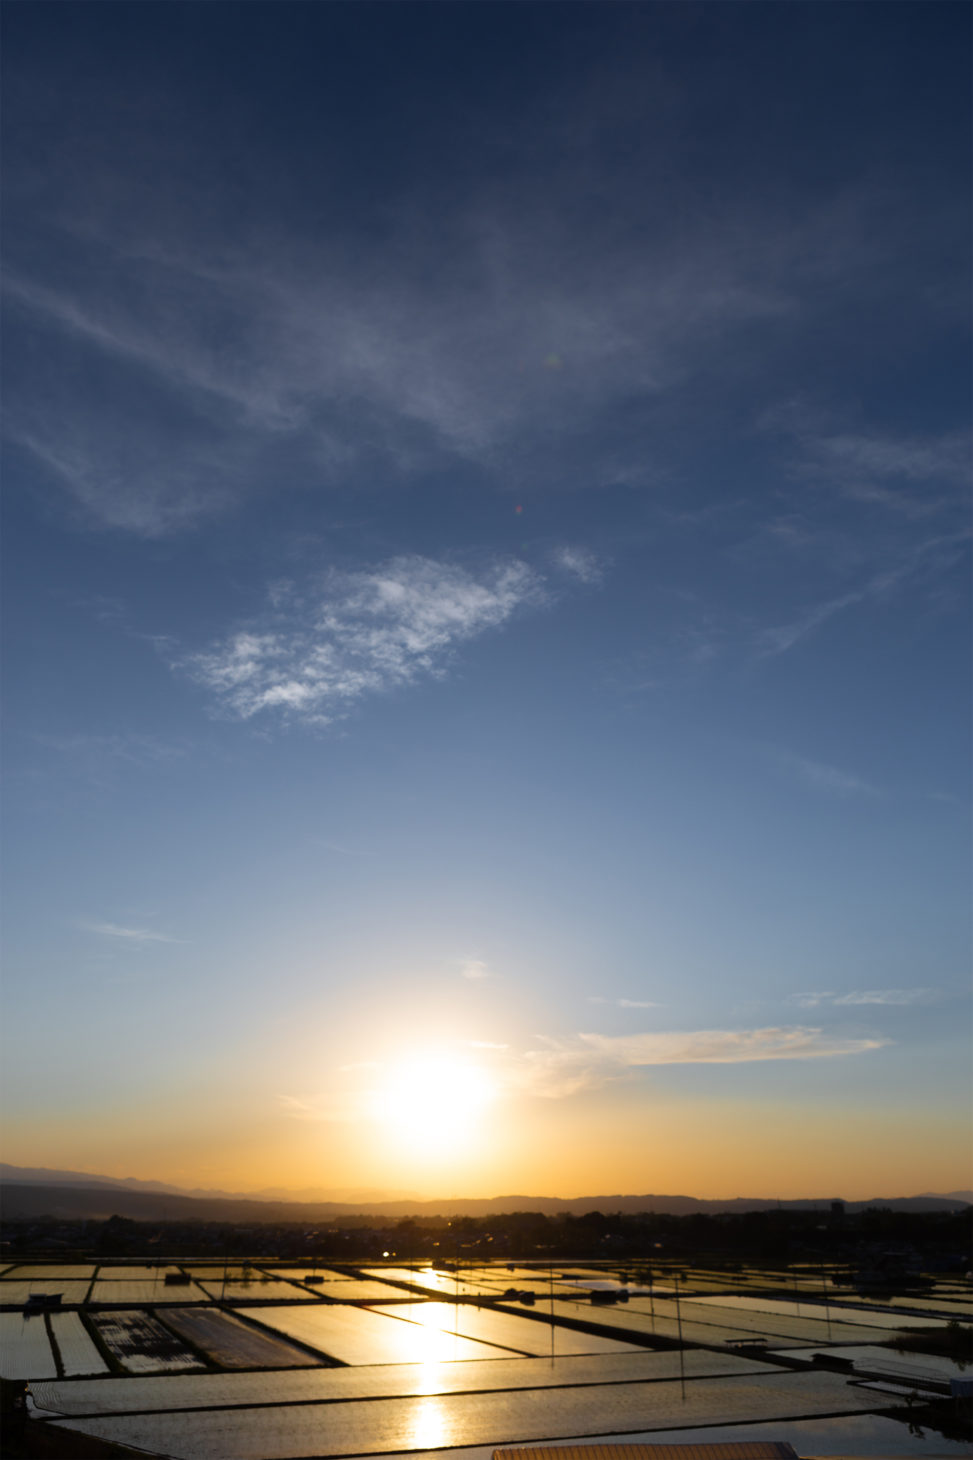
719 1450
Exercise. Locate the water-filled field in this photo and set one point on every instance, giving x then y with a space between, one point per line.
72 1290
151 1290
232 1343
785 1308
141 1344
321 1275
433 1421
433 1282
291 1372
260 1289
388 1381
135 1271
958 1307
700 1324
75 1345
358 1290
912 1367
506 1330
214 1272
539 1281
860 1435
25 1350
27 1272
359 1336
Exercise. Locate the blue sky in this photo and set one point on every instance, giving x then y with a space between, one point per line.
487 590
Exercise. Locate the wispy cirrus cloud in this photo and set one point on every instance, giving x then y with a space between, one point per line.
563 1067
339 363
823 777
128 935
926 559
131 749
915 475
474 969
625 1003
888 998
518 330
364 633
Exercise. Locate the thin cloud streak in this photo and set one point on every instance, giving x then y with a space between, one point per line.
826 777
915 475
130 935
625 1003
928 557
590 1061
887 998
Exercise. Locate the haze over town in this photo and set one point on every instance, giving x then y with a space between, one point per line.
487 598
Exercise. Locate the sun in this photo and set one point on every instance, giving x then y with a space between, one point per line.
431 1104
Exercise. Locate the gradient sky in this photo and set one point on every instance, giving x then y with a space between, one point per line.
487 596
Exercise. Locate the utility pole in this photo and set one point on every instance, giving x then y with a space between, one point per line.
682 1352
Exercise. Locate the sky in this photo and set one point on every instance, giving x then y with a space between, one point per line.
486 663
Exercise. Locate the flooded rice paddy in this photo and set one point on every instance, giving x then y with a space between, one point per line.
519 1334
432 1421
74 1345
357 1364
386 1381
914 1368
14 1292
231 1343
141 1344
843 1312
144 1292
47 1272
360 1336
258 1290
25 1349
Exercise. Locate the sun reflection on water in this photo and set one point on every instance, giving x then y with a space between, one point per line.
429 1428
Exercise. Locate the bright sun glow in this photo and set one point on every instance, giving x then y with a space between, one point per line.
431 1105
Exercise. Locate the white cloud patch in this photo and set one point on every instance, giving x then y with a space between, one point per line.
580 563
474 969
563 1067
367 632
889 998
129 935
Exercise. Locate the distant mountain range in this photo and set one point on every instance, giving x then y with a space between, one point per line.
28 1191
44 1176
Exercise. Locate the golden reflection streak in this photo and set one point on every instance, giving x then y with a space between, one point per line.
436 1347
429 1428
